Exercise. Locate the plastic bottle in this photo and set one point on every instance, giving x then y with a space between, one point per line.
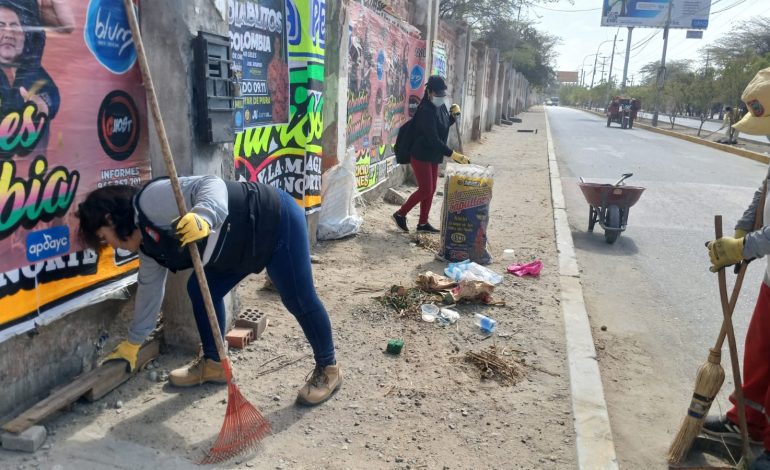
486 324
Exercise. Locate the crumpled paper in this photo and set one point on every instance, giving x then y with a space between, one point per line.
432 282
529 269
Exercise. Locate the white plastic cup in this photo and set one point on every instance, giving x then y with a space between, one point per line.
509 254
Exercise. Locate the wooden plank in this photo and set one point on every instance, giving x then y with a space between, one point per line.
148 352
72 391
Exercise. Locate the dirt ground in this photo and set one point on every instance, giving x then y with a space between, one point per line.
426 408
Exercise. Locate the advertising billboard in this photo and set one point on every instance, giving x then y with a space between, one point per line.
72 107
685 14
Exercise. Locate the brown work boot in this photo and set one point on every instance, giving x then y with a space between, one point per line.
323 382
201 370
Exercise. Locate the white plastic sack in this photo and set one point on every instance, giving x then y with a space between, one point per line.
339 217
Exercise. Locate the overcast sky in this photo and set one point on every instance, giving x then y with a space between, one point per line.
581 34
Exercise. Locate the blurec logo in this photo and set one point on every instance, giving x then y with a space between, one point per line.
48 243
108 35
293 25
415 78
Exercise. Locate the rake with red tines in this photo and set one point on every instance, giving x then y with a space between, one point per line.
244 426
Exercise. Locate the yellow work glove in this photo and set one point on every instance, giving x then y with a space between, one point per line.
740 233
454 110
460 158
125 351
191 227
724 252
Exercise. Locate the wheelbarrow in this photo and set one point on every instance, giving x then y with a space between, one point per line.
609 205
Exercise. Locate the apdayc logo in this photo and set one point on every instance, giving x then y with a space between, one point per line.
108 35
43 244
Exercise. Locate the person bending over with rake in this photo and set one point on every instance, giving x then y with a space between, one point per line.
240 228
730 250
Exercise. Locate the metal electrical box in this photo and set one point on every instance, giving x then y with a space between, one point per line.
214 88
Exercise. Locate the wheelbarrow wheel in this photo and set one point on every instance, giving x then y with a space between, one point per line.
591 218
613 221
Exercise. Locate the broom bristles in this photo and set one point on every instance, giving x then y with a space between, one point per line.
243 429
710 377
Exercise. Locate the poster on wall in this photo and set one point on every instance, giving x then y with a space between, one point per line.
385 85
288 156
73 116
260 65
439 59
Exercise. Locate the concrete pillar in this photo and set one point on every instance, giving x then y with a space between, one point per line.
481 76
500 92
335 81
168 29
494 71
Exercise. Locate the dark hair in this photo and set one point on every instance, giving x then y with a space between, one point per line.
116 201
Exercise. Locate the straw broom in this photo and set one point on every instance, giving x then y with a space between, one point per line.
711 375
244 426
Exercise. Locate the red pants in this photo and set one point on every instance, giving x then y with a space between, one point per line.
427 178
756 372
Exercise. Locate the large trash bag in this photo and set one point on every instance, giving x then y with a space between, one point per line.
339 217
465 215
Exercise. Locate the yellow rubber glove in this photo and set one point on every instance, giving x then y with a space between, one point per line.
454 110
724 252
740 233
460 158
191 227
125 351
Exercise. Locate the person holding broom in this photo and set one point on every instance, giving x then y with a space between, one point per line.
747 244
240 228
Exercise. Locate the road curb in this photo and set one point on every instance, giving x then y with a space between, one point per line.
593 435
758 157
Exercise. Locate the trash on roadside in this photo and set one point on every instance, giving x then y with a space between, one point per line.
394 346
528 269
432 282
475 291
509 254
470 271
465 213
494 367
485 324
406 301
338 216
429 312
450 315
426 241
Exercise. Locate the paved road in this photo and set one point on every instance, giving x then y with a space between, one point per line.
652 289
708 126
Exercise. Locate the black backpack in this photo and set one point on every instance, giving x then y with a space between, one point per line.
404 141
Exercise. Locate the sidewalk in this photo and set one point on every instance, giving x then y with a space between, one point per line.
426 408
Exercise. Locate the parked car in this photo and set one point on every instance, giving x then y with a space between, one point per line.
548 102
554 101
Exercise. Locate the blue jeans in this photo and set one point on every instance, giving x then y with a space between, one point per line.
291 273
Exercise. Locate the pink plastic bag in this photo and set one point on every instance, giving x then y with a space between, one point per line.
529 269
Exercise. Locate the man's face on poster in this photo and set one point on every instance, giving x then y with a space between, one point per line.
11 37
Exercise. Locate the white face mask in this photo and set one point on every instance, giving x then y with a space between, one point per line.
440 100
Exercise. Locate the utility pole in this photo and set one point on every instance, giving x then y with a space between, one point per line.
662 70
604 62
593 74
628 56
612 62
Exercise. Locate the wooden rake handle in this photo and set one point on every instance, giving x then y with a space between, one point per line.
174 179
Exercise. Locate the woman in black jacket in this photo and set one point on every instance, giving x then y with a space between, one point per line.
432 121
